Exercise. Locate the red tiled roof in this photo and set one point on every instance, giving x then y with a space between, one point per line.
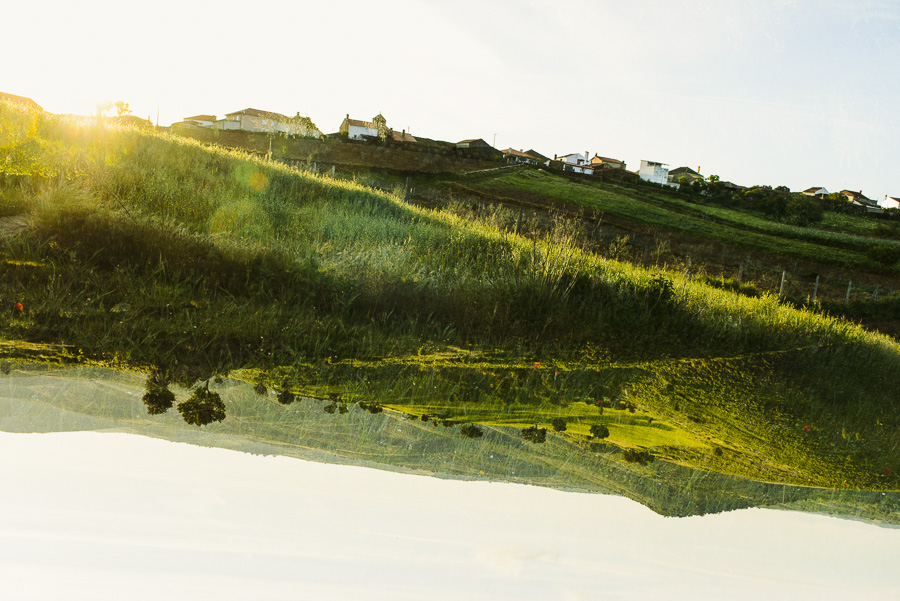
606 160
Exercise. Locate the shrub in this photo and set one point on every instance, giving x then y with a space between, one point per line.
559 424
886 255
535 434
158 397
599 431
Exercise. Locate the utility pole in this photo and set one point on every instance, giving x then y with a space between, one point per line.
495 141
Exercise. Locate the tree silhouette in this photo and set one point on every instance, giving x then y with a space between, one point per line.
559 424
203 407
158 398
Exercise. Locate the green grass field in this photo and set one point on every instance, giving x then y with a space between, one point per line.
151 253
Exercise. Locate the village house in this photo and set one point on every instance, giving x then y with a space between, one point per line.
265 121
690 176
355 129
599 162
651 171
890 202
576 162
479 148
520 156
858 199
199 121
816 191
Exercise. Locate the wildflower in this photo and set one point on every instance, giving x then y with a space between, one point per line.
806 428
18 307
888 471
537 365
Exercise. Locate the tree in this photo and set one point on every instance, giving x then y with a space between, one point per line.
599 431
285 397
158 398
122 108
803 210
559 424
203 407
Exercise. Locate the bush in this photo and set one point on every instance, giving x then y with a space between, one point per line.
599 431
886 255
535 434
559 424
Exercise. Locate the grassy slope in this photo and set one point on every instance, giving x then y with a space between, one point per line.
147 251
705 221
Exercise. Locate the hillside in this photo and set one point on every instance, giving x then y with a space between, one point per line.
153 253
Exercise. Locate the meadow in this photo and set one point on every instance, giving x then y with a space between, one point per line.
151 253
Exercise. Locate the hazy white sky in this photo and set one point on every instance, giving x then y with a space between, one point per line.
103 516
780 92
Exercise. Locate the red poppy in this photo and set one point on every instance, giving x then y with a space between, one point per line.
806 428
888 471
18 307
537 365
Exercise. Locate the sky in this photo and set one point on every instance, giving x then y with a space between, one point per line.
110 516
798 93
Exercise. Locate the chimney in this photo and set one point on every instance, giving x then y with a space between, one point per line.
554 156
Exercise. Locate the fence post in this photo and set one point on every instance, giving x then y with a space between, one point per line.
875 294
781 288
332 172
740 276
849 286
406 193
519 222
816 289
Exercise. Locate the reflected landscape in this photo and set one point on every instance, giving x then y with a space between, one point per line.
108 507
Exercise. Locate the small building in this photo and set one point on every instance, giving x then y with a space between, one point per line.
355 129
479 148
576 162
538 156
690 176
520 156
599 162
268 122
28 102
199 121
890 202
816 191
651 171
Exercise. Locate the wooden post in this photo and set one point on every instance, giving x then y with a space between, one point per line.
781 289
406 192
270 153
332 172
849 286
740 273
816 289
875 294
519 222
